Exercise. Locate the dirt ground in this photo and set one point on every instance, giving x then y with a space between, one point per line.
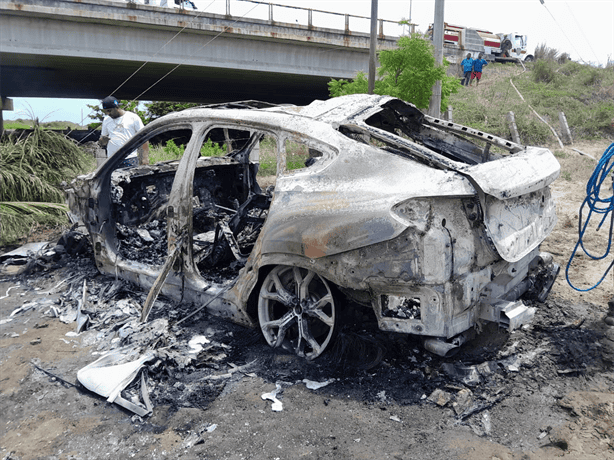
543 392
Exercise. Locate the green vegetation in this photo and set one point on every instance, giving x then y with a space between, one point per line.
21 123
157 109
18 124
31 171
268 157
153 110
407 72
171 151
583 93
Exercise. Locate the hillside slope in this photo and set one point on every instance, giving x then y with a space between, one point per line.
584 94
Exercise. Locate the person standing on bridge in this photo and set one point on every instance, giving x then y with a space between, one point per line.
118 127
477 69
467 68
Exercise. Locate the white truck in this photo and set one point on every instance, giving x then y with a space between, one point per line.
459 40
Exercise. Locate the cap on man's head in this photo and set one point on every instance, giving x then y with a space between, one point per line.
110 102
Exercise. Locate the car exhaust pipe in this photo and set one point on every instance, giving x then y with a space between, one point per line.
445 349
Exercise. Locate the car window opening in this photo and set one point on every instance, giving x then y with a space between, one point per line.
407 126
229 208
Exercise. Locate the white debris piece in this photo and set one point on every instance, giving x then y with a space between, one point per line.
144 234
312 385
107 378
272 396
196 343
25 307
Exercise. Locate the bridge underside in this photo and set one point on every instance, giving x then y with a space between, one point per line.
76 77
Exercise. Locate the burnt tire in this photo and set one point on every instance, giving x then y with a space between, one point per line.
297 311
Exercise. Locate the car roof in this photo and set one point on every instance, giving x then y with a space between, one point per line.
335 111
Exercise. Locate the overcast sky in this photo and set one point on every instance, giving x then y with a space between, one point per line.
582 28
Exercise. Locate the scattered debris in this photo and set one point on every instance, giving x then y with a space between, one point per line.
196 343
110 374
310 384
277 405
582 153
440 397
7 292
25 307
469 375
52 375
463 402
196 437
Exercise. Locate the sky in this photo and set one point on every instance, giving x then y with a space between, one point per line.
582 28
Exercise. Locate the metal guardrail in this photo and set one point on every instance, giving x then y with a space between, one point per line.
309 11
310 15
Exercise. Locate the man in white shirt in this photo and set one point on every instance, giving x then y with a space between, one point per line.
117 129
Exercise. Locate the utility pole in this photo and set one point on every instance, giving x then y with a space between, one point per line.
435 103
373 46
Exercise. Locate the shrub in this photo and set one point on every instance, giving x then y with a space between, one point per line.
211 149
544 72
590 76
545 53
32 169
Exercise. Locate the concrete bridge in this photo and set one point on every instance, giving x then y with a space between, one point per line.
93 48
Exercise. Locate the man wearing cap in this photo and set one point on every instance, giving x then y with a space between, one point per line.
118 127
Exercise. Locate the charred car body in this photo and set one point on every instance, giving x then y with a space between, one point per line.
412 216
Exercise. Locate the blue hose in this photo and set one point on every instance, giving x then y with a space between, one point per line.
597 205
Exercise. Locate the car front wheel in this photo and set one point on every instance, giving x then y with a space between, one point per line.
296 311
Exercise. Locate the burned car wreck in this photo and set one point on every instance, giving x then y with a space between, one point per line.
434 226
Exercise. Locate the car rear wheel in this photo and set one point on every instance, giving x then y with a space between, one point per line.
296 311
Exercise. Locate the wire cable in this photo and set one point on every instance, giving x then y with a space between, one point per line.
563 31
160 50
598 205
180 64
582 31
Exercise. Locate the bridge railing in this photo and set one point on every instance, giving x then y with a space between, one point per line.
310 14
275 12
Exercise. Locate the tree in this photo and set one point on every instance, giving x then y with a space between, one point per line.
156 109
407 72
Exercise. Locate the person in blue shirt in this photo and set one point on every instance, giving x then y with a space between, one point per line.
478 64
467 64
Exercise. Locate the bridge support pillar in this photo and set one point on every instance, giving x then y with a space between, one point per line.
5 104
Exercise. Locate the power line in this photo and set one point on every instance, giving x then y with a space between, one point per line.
563 31
179 65
159 51
581 31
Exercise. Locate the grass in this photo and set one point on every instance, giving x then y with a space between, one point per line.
583 93
295 157
17 124
296 154
21 123
171 151
32 170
